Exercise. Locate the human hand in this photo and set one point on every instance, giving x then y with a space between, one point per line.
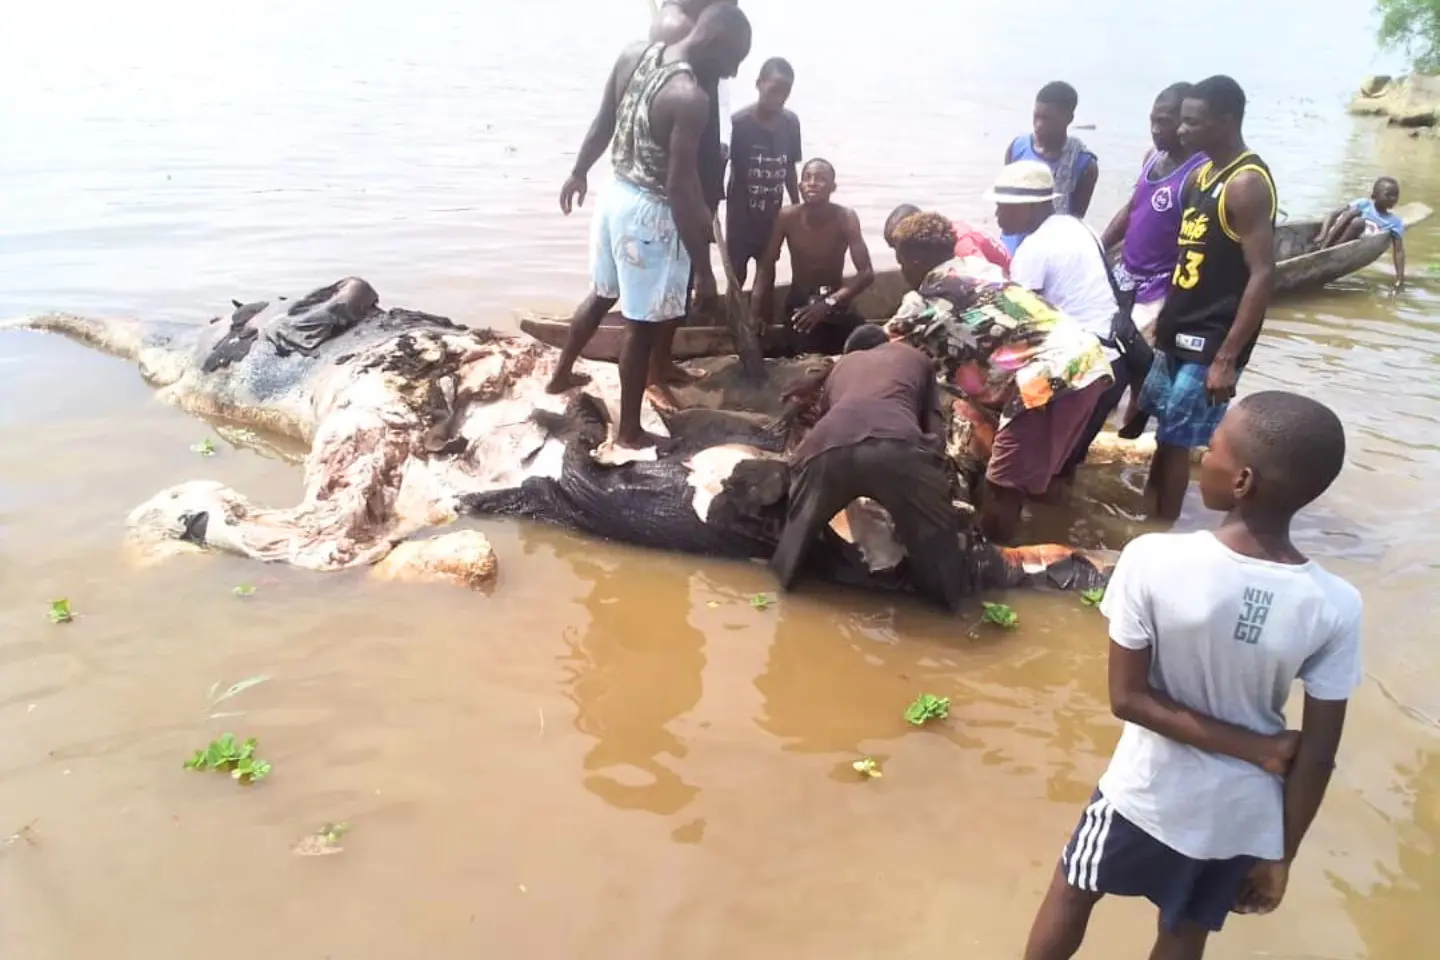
1264 888
572 192
811 315
1220 382
1279 752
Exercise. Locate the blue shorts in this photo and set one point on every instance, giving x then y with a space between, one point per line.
1110 855
1174 392
636 255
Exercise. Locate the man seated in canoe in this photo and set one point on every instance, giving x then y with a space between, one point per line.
819 309
1028 375
1370 216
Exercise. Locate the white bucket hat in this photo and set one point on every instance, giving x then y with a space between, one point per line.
1024 181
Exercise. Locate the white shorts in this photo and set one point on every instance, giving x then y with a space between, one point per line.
637 257
1144 315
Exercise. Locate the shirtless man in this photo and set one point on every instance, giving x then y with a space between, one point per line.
654 222
819 234
673 22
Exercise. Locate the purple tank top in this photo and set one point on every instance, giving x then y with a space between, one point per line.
1150 238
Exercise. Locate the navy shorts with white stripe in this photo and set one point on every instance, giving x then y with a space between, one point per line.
1110 855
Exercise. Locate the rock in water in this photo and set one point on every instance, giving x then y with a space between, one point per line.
464 559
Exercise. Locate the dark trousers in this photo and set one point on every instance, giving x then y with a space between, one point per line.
826 338
909 481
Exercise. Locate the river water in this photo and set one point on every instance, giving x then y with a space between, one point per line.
613 755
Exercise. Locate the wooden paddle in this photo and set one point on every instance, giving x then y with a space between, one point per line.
737 314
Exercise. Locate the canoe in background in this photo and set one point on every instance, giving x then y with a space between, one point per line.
1299 267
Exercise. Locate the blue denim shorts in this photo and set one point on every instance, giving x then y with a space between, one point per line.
1174 393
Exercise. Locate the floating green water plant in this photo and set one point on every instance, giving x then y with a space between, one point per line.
60 611
761 601
206 447
238 758
927 707
1002 615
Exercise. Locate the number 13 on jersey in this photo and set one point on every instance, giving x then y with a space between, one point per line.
1187 271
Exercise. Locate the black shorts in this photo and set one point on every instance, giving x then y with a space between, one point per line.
1110 855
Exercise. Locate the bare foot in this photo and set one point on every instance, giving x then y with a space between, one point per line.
644 441
679 376
562 382
662 399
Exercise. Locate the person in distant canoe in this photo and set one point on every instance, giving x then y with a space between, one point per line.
765 152
984 256
1075 168
1370 215
820 306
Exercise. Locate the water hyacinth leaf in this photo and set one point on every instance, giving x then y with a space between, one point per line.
245 590
60 611
761 601
206 447
1002 615
1092 598
927 707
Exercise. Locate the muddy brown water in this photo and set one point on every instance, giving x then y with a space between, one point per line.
613 754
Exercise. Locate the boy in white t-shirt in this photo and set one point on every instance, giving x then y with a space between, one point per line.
1207 796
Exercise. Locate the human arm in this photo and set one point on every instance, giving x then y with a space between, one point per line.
1247 212
1331 676
764 292
1398 248
1085 189
597 138
1129 604
689 111
1120 223
1134 700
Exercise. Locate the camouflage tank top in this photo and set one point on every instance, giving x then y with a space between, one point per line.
638 157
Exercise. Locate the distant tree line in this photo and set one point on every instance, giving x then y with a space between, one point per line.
1412 26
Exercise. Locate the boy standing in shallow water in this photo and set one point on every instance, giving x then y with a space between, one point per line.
1208 796
764 151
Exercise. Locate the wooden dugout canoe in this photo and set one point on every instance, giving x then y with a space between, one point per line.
1299 267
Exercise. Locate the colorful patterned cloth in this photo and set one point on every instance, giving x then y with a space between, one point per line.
1003 346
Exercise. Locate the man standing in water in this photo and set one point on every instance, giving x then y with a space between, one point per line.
1221 286
819 233
654 223
1204 805
1149 223
675 20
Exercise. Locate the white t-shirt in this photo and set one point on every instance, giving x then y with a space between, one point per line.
1229 635
1061 261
